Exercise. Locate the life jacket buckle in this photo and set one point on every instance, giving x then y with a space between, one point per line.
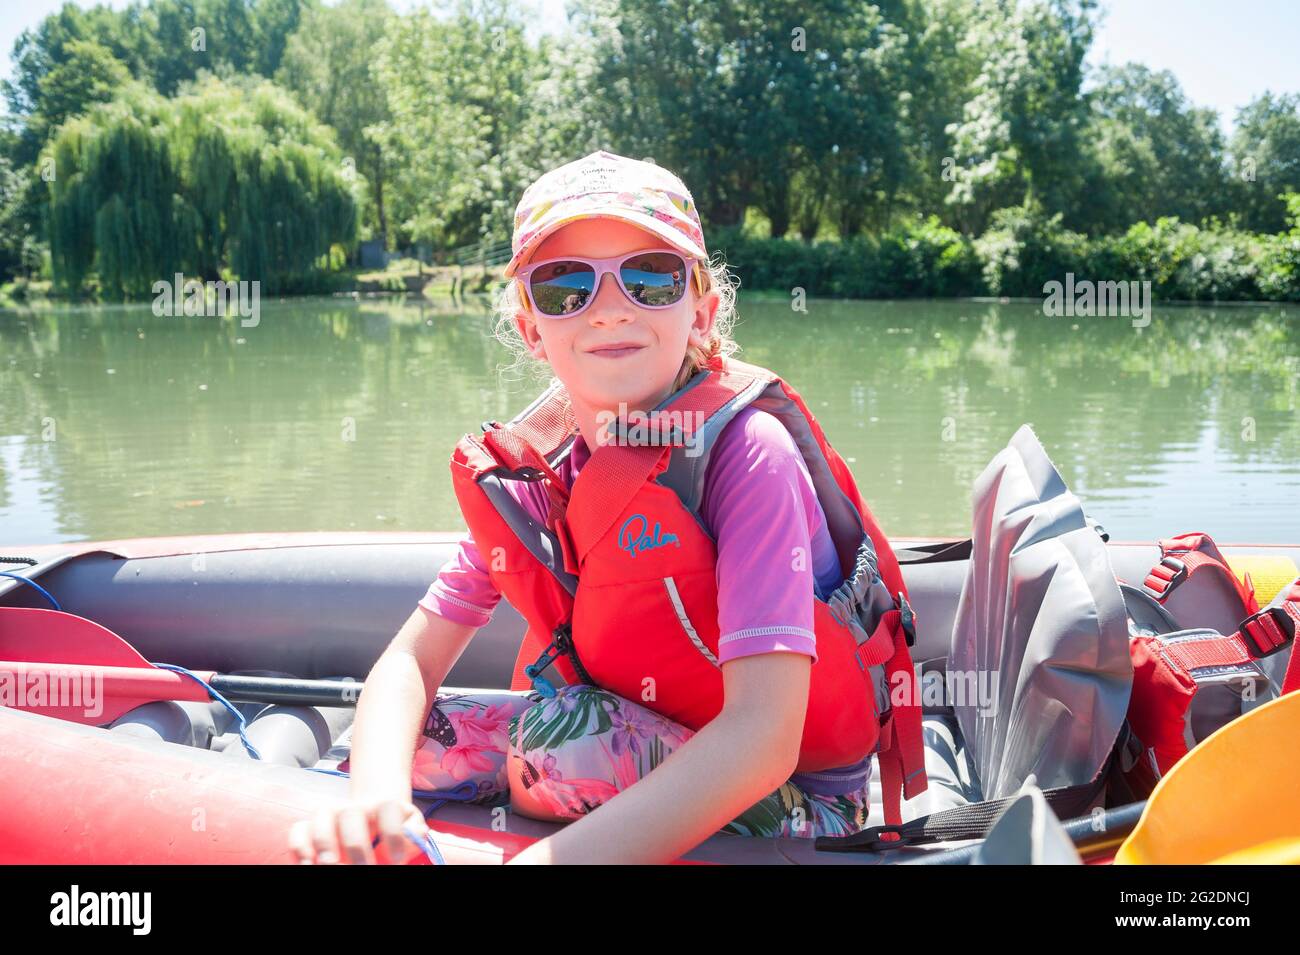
907 619
1270 630
655 432
535 669
508 469
561 644
1165 576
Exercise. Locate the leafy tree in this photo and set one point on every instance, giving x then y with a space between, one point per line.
1266 160
463 138
327 65
224 176
1156 155
87 74
1019 136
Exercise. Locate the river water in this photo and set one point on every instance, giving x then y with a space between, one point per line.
338 414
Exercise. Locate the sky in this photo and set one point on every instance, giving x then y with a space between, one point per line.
1224 52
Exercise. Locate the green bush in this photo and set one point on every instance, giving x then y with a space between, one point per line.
1279 270
1184 262
921 259
1022 250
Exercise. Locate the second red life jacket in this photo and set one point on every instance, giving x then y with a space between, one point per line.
619 587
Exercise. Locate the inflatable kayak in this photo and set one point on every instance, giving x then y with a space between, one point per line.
171 782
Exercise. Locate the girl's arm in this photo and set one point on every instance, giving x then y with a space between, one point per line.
405 679
745 753
399 690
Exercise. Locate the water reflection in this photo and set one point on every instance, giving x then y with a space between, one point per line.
338 414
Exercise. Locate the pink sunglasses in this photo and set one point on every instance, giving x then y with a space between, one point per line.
652 278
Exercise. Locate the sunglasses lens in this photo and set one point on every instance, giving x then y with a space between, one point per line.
655 278
561 287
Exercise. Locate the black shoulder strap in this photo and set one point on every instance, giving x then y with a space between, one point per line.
936 553
974 820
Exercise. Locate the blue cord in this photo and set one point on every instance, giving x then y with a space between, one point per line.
426 843
48 596
243 723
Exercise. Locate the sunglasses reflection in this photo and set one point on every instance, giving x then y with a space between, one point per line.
565 288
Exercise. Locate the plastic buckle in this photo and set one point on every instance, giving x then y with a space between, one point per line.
652 433
1282 621
865 840
874 842
1178 573
534 670
907 619
524 473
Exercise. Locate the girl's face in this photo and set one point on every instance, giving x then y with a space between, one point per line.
615 351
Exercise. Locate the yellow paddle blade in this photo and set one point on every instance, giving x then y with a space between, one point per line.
1232 798
1268 573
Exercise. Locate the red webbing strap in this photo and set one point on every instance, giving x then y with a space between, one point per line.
901 752
1291 681
528 441
1264 632
1275 626
548 424
616 473
1185 555
514 453
1217 651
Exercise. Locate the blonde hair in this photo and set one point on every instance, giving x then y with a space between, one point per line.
715 276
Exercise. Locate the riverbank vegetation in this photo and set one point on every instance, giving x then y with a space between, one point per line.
899 149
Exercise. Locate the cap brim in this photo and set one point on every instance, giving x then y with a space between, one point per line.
663 230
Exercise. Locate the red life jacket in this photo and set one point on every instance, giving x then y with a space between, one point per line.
619 587
1171 668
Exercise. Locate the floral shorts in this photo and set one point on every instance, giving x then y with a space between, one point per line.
560 758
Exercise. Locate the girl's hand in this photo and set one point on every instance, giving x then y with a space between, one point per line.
343 834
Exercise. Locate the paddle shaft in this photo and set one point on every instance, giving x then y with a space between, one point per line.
291 690
159 684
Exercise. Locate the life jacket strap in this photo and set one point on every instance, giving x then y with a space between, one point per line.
1262 634
900 753
1188 554
521 461
1272 629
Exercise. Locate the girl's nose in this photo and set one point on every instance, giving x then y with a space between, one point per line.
611 306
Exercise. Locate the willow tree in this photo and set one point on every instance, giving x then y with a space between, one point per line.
230 180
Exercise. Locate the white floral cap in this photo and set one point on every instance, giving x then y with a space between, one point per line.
606 185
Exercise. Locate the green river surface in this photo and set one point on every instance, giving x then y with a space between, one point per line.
340 414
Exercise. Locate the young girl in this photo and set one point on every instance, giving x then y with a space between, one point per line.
714 616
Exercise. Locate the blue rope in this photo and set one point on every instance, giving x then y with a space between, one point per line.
426 843
243 723
31 583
